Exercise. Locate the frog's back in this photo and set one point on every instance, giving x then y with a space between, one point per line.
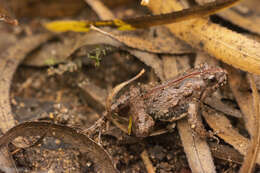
169 104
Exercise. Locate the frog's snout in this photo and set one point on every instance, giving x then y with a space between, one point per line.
221 77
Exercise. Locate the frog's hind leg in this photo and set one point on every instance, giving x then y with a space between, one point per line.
195 121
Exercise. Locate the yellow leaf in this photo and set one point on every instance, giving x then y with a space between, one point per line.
69 25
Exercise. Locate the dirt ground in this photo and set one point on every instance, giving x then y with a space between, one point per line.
66 78
39 99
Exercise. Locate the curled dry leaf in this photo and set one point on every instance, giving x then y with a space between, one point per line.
201 2
58 52
143 21
226 45
9 60
86 146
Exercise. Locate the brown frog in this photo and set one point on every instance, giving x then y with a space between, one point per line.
171 100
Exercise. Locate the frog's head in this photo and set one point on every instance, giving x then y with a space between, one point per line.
214 78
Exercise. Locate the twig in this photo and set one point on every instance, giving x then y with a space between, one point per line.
102 11
147 162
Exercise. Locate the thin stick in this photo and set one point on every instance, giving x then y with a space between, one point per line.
147 162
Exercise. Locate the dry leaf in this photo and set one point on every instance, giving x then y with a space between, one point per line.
244 16
85 145
253 150
143 40
221 125
243 97
196 149
217 104
225 152
55 52
9 60
151 60
60 51
226 45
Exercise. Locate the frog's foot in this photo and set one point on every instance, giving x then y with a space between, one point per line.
213 135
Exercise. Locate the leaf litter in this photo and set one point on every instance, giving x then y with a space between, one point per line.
168 60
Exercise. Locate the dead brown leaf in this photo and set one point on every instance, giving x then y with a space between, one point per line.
196 149
217 104
226 45
225 152
225 131
61 50
238 86
55 51
253 150
244 15
145 41
223 128
9 60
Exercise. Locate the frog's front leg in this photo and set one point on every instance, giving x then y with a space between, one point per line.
143 123
195 121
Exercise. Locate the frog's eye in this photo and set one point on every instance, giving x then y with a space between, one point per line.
212 79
